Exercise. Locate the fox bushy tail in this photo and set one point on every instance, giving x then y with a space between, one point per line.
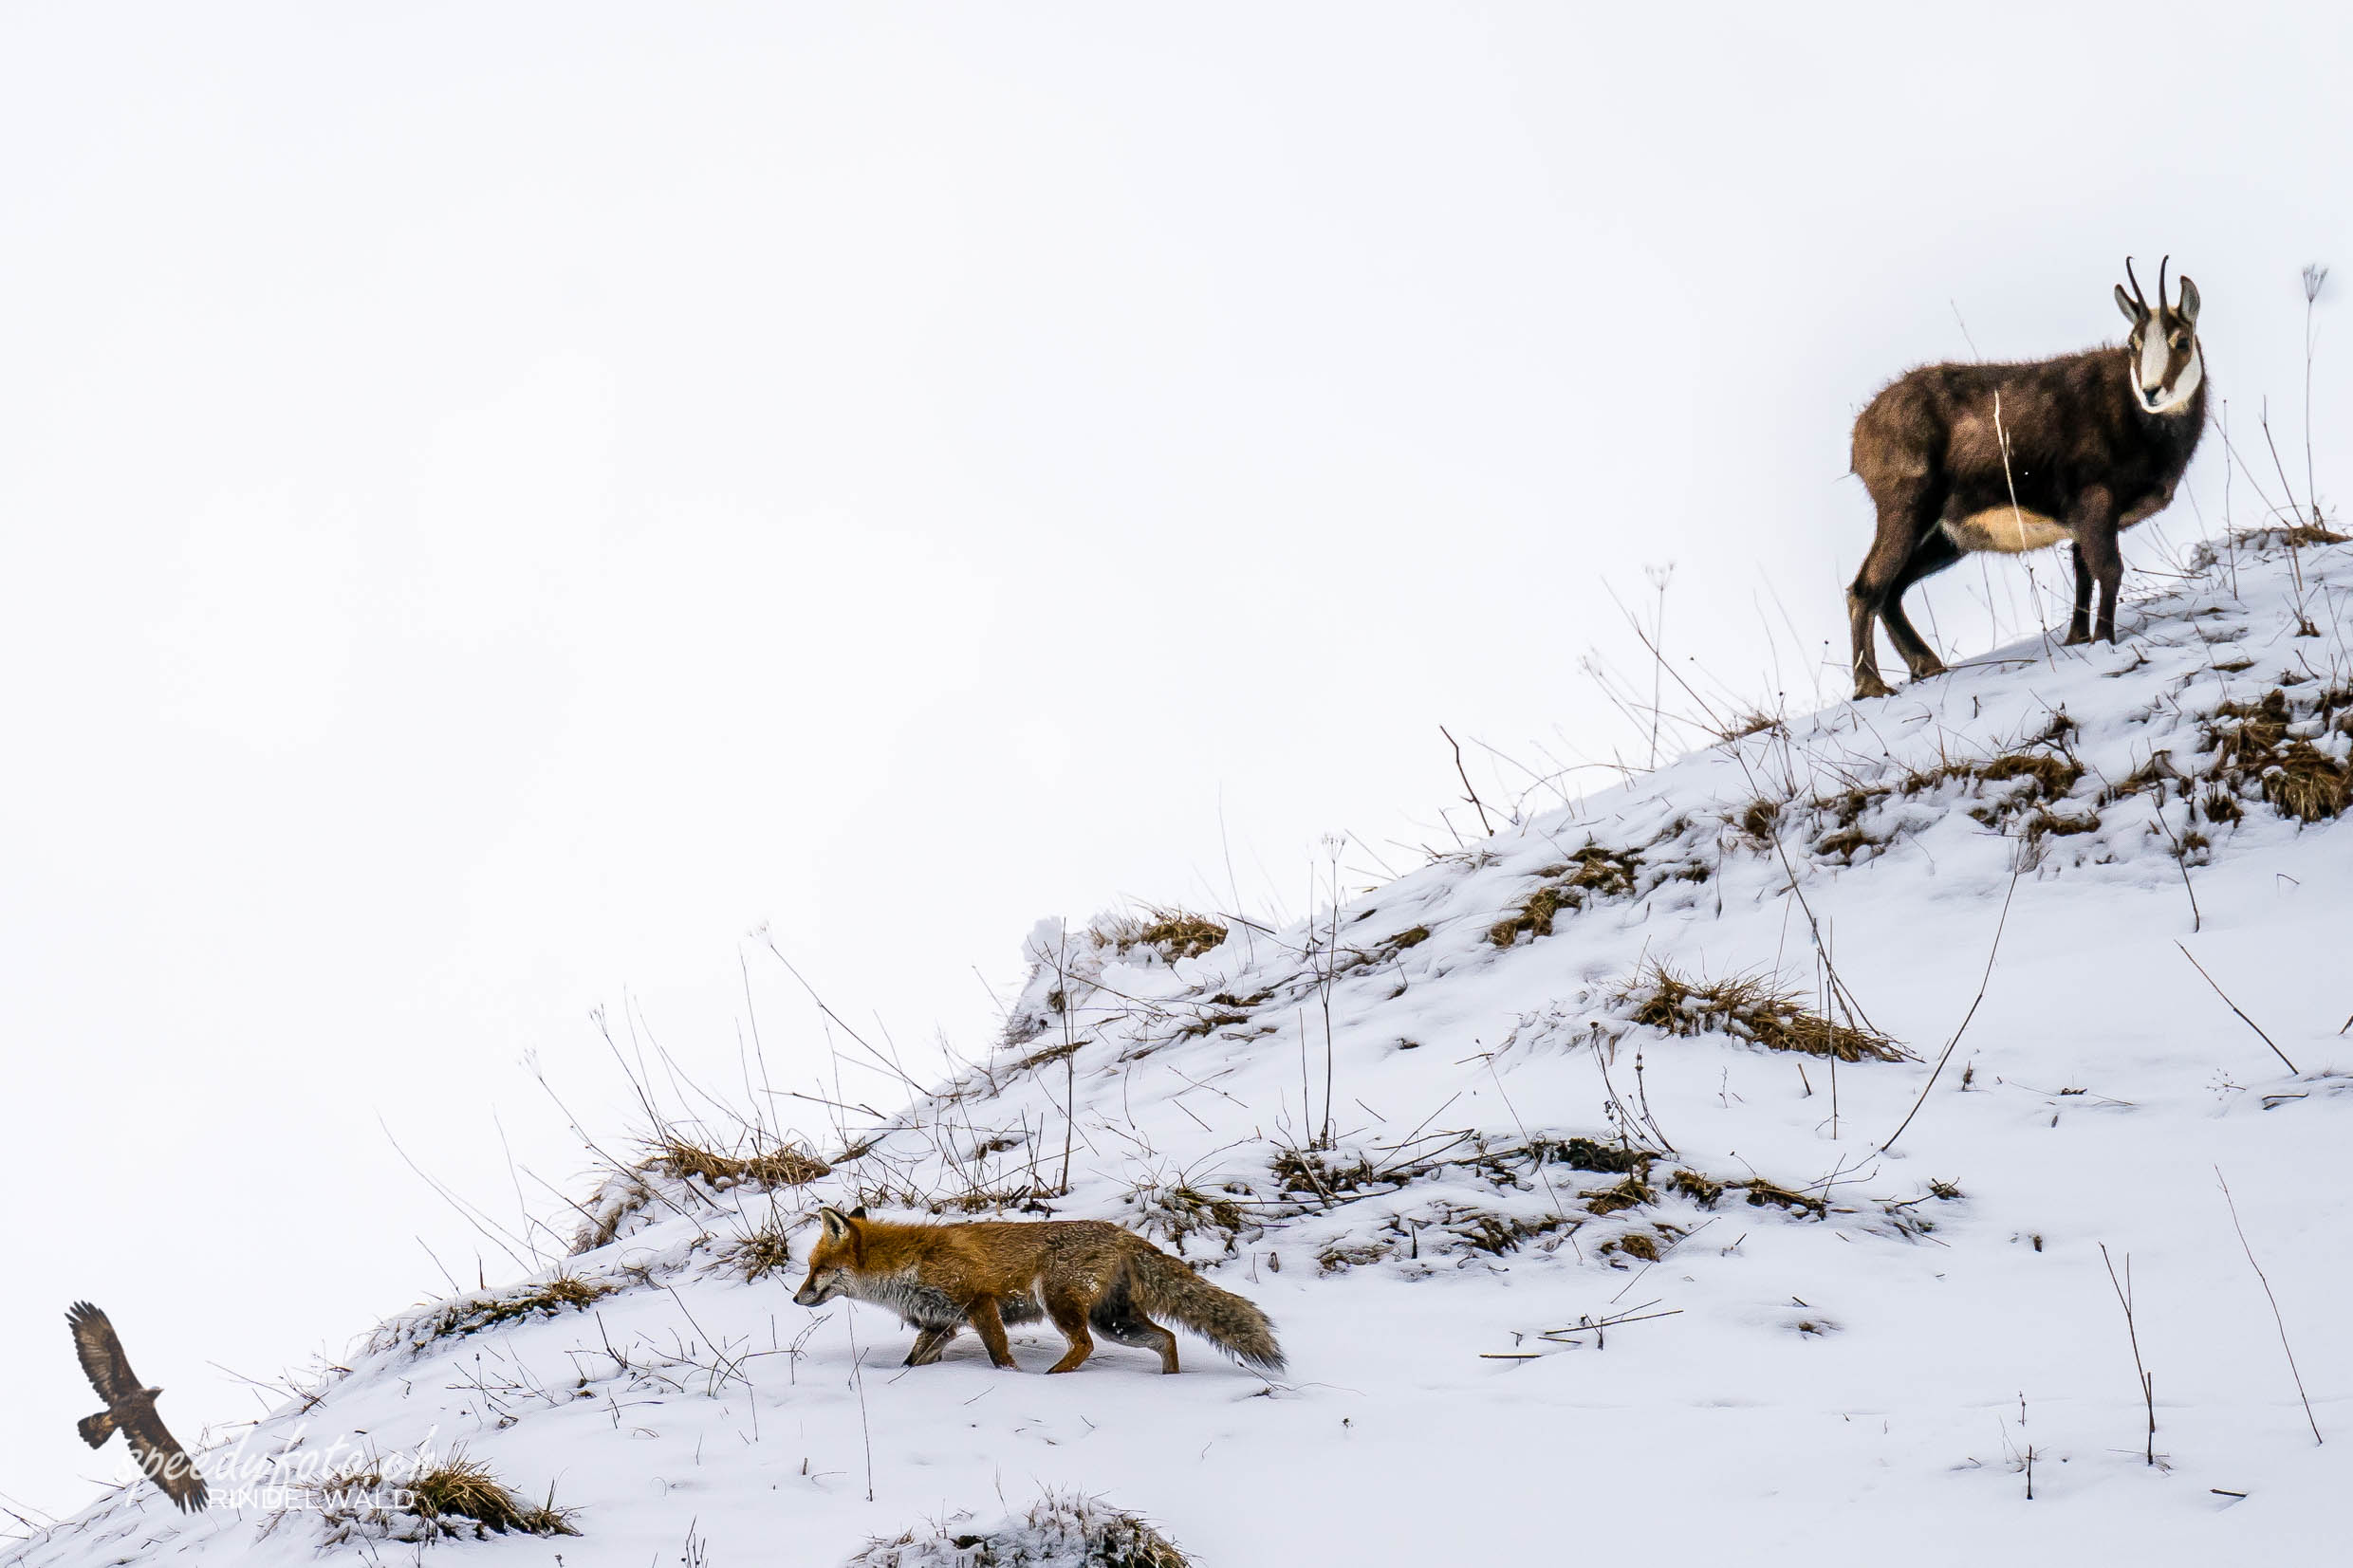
1164 1287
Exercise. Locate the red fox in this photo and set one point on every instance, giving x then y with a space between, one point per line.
993 1272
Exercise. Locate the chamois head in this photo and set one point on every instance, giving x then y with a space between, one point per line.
2166 365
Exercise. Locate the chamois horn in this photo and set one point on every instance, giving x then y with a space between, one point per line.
2138 298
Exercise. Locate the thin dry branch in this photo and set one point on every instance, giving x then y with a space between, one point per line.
2234 1008
2280 1322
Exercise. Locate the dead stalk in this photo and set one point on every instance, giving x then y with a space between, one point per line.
2234 1008
2017 865
2277 1320
2131 1331
1469 794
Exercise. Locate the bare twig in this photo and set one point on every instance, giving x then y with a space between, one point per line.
2234 1008
1468 793
2181 859
2131 1331
2017 865
858 1377
2277 1320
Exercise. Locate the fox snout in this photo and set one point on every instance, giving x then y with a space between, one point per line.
811 1294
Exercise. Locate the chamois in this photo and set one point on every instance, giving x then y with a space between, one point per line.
2012 457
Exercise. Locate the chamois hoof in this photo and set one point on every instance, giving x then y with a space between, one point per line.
1871 687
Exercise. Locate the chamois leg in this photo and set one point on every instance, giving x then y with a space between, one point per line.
2094 526
1936 552
2079 628
1908 511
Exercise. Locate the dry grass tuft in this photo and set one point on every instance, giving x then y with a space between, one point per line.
1762 1193
455 1500
2253 751
1589 1154
671 1153
1700 1190
1063 1530
1633 1193
2247 745
1633 1244
473 1314
1051 1054
1208 1023
1535 918
766 1251
1749 1008
1592 873
1175 933
2308 784
1760 818
1179 1214
2054 773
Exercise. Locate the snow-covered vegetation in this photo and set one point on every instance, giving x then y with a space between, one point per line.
1830 1126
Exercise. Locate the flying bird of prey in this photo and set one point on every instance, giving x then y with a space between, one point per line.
130 1409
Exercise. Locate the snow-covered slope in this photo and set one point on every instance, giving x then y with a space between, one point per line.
1442 1125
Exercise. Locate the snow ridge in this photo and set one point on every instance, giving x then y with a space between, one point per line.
1541 1223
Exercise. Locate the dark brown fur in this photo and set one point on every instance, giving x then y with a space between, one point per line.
2084 453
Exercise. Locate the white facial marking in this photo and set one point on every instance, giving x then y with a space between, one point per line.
2149 373
2186 384
2153 356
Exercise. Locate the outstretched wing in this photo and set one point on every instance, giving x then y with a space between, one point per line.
166 1462
101 1354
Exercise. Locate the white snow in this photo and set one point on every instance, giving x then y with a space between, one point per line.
1861 1386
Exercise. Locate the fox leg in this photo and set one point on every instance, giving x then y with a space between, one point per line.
1070 1316
929 1343
1116 1318
990 1327
1148 1335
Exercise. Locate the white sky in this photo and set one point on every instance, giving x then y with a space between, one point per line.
497 504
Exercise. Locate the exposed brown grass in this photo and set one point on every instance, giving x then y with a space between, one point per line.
767 1250
2253 751
1592 873
2054 773
1749 1008
2247 745
1063 1528
1176 933
1179 1212
1630 1194
455 1500
2308 784
1701 1189
671 1153
1535 918
1633 1244
473 1314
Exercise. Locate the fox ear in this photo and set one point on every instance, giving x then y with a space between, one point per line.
837 1223
859 1213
